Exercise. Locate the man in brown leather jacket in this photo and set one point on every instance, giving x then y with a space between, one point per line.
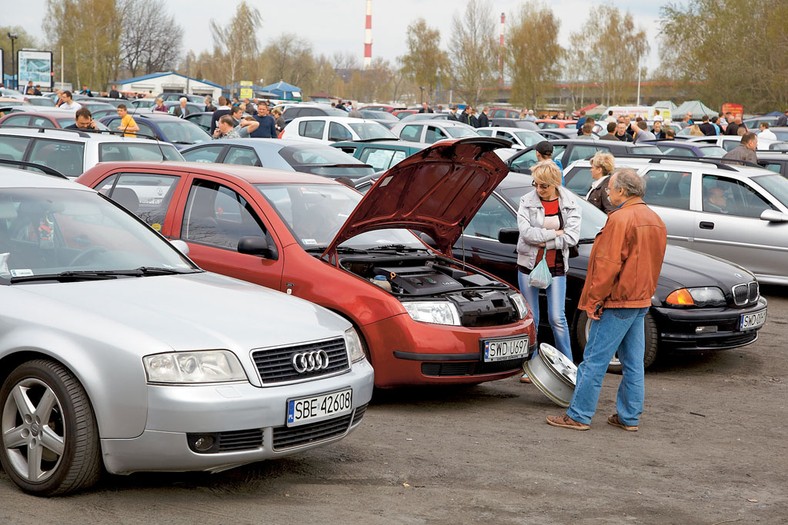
622 276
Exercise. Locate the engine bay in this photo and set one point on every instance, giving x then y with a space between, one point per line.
480 300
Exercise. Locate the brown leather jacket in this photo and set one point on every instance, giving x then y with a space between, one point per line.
626 259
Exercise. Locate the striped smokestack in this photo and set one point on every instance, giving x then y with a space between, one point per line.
368 36
501 50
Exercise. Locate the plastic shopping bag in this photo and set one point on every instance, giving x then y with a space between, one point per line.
540 276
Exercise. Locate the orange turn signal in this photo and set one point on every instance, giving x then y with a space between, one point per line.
680 297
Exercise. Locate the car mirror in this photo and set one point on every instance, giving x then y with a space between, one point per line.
508 235
774 216
428 240
255 245
181 246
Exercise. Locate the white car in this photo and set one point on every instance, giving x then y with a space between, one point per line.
334 129
519 137
730 142
431 130
71 152
119 354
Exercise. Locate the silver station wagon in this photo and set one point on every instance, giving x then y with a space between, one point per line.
734 212
117 353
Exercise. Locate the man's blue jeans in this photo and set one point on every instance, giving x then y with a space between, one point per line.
556 303
618 330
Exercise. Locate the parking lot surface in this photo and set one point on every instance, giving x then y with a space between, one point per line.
711 449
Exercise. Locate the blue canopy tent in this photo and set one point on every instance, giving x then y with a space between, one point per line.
284 91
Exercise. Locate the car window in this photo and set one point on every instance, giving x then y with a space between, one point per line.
204 153
18 121
218 216
668 188
119 151
381 159
13 148
242 156
579 180
491 217
434 134
183 132
679 152
65 157
145 194
771 166
731 197
460 131
337 132
311 128
581 152
411 132
730 145
43 122
524 161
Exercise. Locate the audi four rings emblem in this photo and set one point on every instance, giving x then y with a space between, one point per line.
310 361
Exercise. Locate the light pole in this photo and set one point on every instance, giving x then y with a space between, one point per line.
422 93
13 37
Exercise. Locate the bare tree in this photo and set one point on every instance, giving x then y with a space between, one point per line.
237 42
151 40
289 58
473 46
425 64
533 53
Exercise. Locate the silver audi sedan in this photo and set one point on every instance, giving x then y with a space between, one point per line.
118 353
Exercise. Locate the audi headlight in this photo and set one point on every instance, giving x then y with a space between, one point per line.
354 346
436 312
519 303
210 366
701 296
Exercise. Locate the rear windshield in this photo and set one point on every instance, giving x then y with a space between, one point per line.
124 151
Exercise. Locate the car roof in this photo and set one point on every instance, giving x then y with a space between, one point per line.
17 178
250 174
73 135
329 118
707 164
394 144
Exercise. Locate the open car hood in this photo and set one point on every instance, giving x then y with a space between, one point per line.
435 191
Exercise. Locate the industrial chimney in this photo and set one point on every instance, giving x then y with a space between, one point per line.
368 36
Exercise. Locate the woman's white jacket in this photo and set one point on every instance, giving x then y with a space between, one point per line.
530 221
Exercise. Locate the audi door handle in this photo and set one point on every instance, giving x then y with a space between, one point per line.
706 225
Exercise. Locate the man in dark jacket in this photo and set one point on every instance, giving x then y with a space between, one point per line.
707 127
746 150
484 120
623 270
267 128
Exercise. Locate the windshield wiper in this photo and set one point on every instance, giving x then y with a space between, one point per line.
96 275
340 249
395 247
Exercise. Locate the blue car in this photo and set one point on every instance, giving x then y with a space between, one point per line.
179 132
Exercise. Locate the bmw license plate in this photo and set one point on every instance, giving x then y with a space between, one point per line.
505 349
752 321
317 408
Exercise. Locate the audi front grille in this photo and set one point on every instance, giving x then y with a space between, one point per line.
297 363
745 293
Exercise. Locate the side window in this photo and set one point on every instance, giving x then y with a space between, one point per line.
730 145
41 122
731 197
19 121
668 188
218 216
242 156
337 132
524 162
147 195
434 134
66 157
490 218
579 180
311 128
380 159
145 129
203 154
580 152
411 132
13 148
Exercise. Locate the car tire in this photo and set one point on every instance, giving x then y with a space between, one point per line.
583 325
51 444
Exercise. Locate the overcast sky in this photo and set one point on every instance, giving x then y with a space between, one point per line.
338 25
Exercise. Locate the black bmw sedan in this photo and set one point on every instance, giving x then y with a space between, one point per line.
701 303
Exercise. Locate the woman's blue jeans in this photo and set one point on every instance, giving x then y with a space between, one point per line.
618 330
556 302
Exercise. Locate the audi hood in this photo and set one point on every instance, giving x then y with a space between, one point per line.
435 191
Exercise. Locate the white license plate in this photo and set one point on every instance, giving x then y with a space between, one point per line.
317 408
752 321
505 349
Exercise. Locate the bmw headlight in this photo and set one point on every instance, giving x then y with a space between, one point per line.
354 346
209 366
435 312
701 296
519 303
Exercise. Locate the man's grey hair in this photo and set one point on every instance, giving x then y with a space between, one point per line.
628 180
183 99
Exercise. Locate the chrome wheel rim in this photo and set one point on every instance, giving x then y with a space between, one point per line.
34 430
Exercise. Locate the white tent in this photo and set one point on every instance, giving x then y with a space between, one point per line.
695 108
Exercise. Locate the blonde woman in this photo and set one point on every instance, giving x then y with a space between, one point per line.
549 223
602 166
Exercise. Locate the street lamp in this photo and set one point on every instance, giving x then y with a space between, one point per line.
422 93
13 37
